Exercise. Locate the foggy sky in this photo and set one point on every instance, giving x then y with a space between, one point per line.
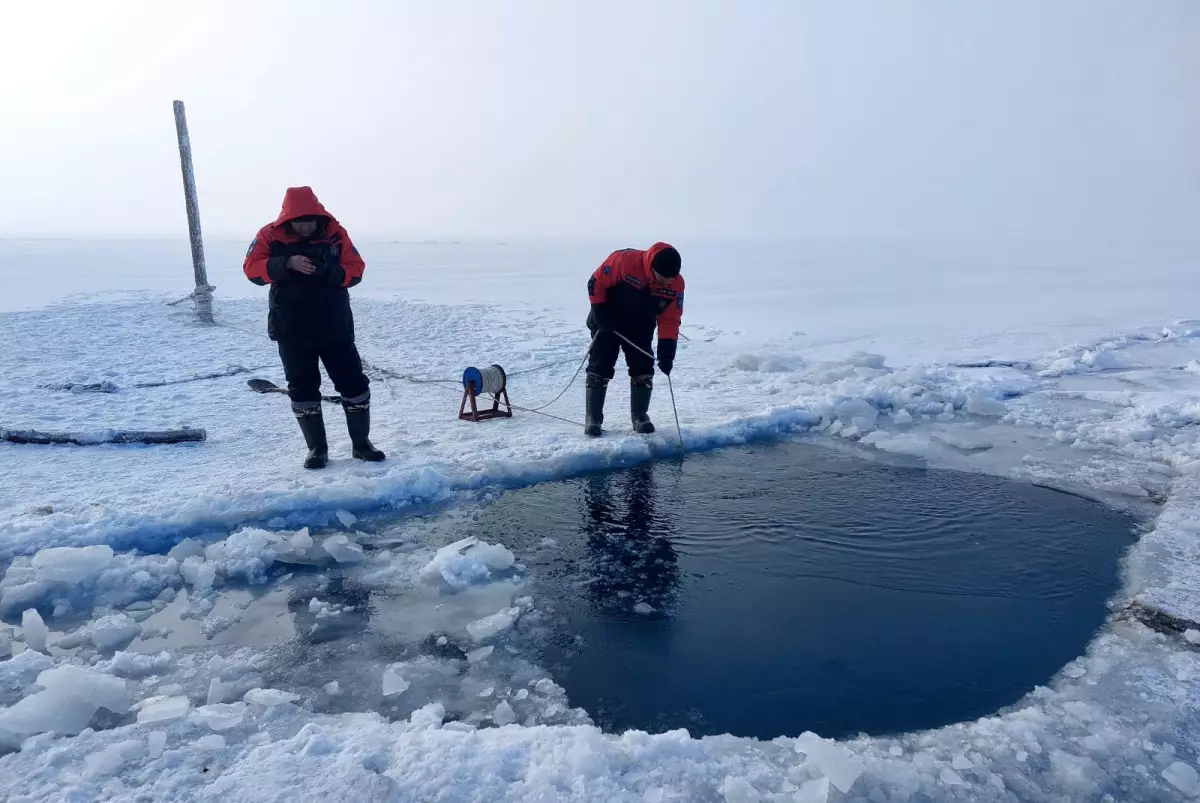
1062 119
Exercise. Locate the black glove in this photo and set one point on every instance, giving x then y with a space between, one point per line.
666 355
329 267
599 318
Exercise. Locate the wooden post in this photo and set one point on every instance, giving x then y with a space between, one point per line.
202 295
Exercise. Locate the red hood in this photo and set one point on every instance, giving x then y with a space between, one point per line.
651 252
300 202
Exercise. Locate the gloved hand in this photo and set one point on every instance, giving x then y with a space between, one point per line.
666 355
600 318
321 258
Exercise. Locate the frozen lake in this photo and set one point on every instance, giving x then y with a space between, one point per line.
222 592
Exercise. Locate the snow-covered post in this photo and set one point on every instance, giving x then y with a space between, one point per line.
202 295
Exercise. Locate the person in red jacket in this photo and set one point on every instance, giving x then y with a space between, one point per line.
632 293
309 261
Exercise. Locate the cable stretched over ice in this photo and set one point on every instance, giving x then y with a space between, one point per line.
453 385
111 387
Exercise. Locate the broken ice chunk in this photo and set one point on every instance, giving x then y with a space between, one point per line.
979 404
71 696
187 548
72 640
950 777
347 518
814 791
300 541
1183 777
475 656
832 760
342 550
157 742
739 790
489 626
429 716
198 573
213 741
64 564
270 697
220 716
495 556
34 630
163 710
332 688
109 761
643 608
112 632
1074 671
393 683
504 714
216 691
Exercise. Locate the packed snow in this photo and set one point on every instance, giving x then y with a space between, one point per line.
143 588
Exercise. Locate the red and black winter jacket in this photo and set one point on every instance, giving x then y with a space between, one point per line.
626 297
311 308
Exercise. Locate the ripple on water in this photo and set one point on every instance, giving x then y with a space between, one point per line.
793 588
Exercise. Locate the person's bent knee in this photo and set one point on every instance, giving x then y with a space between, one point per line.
303 409
360 402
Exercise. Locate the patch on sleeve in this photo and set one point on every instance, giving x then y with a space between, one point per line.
607 269
679 302
253 245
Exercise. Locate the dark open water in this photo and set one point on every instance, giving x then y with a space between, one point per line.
794 588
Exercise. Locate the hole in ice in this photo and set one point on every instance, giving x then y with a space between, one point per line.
761 591
776 589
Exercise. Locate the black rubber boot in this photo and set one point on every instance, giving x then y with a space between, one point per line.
312 424
593 417
358 422
640 389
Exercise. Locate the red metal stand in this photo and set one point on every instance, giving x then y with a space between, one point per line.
478 415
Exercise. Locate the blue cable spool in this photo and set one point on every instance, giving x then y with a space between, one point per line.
491 379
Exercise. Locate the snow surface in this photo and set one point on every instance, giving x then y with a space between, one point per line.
1081 379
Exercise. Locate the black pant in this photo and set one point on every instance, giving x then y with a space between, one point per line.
341 361
603 359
